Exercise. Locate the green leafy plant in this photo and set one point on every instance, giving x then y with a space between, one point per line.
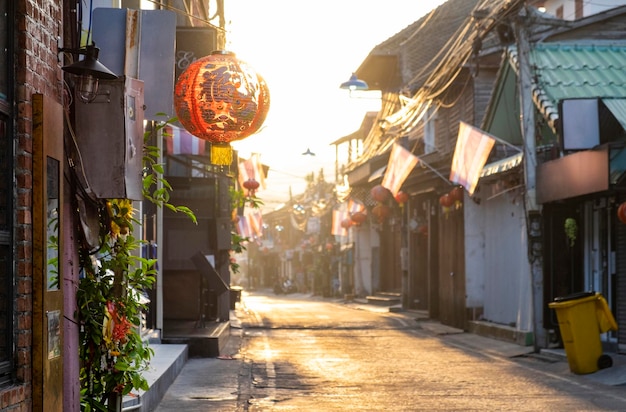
571 230
112 352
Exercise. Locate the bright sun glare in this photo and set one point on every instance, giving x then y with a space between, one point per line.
304 50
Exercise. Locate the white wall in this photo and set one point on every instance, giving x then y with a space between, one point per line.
474 216
589 7
508 298
497 270
362 260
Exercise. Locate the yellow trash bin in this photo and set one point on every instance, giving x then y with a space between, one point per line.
582 317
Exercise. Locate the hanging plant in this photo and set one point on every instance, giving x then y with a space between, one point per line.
571 230
109 296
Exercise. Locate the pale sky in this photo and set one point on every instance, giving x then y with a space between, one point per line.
304 51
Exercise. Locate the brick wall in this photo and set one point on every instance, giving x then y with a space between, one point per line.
37 25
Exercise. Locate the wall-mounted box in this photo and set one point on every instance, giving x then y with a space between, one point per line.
140 44
109 135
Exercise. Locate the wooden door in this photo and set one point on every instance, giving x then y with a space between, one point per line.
452 269
47 243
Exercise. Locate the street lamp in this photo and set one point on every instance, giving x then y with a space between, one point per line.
354 83
88 71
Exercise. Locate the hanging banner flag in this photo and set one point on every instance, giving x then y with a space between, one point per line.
243 227
355 205
400 164
252 169
470 155
255 219
338 217
180 141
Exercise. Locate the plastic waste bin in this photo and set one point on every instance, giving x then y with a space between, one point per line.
582 317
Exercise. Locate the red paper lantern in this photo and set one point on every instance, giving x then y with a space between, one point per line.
423 230
621 212
446 200
457 193
221 99
381 212
401 197
358 217
346 223
251 184
380 193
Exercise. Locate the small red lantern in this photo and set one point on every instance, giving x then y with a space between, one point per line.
346 223
621 212
401 197
446 200
457 193
252 185
381 212
380 193
221 99
423 230
358 217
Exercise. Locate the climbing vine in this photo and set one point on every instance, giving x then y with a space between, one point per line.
112 352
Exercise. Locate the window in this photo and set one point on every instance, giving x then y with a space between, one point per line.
578 12
559 12
6 203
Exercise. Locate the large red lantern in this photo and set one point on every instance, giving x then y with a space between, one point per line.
221 99
380 193
621 212
381 212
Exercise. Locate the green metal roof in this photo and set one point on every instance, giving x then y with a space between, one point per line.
559 71
568 71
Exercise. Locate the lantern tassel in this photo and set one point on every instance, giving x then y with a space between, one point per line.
221 154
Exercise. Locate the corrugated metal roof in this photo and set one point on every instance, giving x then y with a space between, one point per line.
569 71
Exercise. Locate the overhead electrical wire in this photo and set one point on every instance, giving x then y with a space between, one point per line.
459 49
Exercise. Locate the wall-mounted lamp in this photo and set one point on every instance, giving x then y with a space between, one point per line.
354 84
88 71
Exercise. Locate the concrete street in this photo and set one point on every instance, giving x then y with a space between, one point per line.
297 352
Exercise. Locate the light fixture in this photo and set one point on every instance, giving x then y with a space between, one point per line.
88 72
354 84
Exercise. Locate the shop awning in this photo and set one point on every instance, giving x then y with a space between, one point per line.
502 165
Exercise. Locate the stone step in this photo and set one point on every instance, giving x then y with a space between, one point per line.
204 341
384 298
165 365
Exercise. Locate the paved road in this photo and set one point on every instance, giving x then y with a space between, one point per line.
298 353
